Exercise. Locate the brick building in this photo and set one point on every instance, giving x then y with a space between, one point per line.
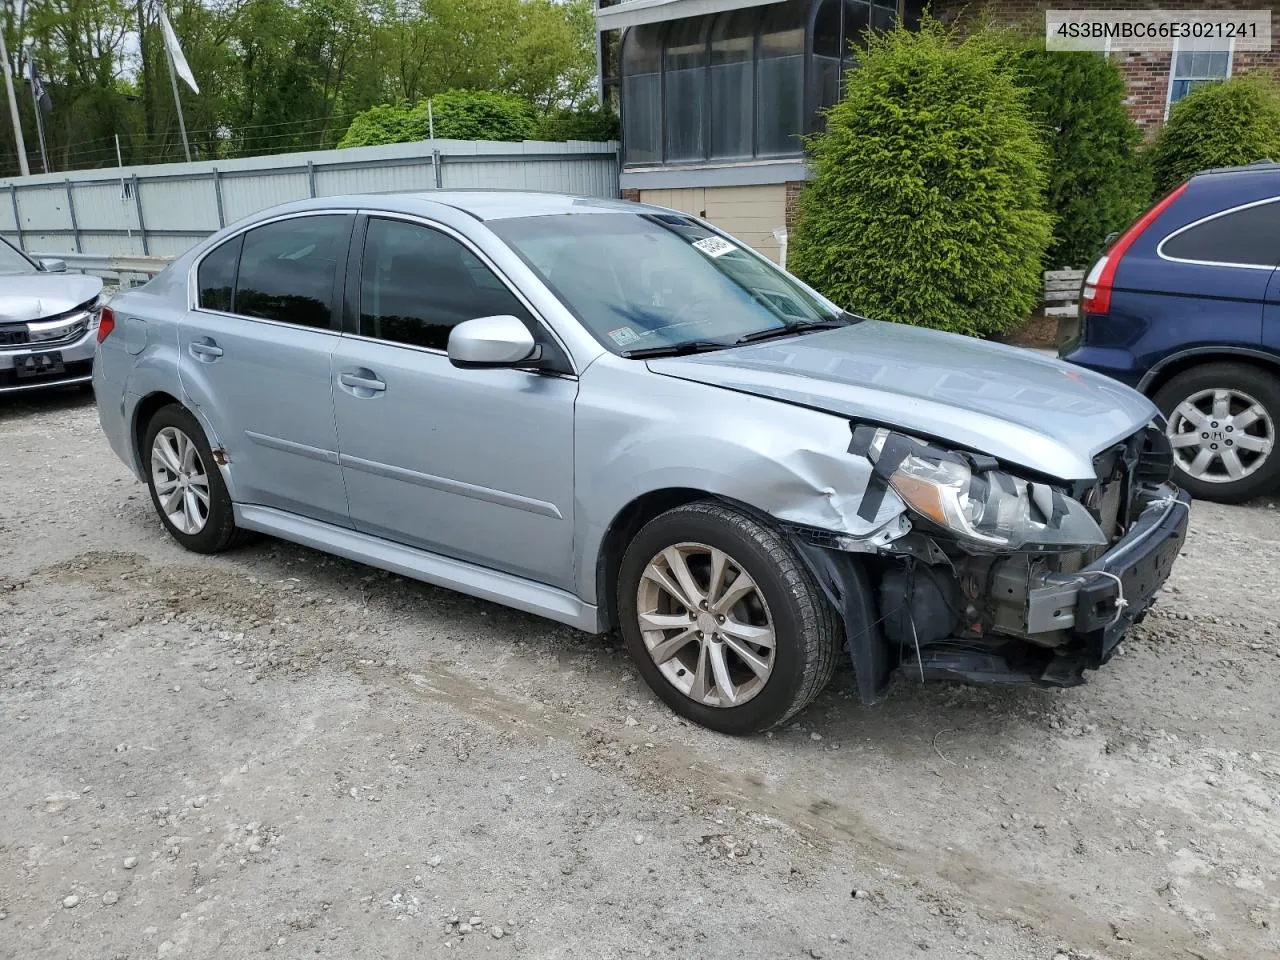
1156 79
715 95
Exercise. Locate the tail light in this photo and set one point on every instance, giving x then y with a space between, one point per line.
106 323
1096 295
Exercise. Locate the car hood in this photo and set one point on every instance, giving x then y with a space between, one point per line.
1021 407
40 295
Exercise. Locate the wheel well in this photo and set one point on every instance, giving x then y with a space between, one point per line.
621 532
146 409
1165 374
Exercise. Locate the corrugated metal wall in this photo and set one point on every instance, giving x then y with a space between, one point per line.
162 210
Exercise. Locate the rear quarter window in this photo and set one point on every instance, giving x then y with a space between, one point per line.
1248 236
216 277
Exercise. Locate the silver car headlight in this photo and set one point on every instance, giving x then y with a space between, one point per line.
988 508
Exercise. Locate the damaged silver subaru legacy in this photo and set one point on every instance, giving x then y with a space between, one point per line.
615 416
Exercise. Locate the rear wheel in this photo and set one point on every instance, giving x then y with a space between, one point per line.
1222 421
186 487
723 619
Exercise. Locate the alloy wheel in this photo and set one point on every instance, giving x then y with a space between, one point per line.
180 480
706 624
1220 435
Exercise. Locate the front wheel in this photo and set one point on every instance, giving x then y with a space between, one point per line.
1222 424
723 619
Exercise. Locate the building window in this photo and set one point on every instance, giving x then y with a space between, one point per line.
642 94
1195 64
780 81
684 92
733 94
742 84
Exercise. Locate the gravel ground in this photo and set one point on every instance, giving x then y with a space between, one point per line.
276 751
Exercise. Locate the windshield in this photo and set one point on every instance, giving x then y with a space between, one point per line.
12 262
655 280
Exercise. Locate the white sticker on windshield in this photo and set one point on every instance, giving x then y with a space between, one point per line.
623 335
714 246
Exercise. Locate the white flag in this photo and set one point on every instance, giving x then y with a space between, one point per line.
179 61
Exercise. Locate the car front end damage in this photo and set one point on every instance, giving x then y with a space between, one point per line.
994 576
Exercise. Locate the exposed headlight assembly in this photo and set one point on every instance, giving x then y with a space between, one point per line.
968 496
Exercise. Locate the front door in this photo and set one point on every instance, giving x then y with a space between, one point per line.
255 358
472 464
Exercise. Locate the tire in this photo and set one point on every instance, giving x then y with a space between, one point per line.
784 599
1252 402
218 531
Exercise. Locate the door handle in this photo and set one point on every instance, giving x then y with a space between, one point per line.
204 349
365 380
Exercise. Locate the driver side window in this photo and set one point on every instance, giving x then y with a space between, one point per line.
417 284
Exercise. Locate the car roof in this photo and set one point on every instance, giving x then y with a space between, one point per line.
480 204
1258 168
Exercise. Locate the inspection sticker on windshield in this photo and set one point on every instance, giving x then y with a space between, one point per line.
714 246
623 335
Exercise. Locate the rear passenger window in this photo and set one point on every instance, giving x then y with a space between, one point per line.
417 284
288 268
1249 237
217 276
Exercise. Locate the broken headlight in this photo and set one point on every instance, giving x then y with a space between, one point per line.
981 505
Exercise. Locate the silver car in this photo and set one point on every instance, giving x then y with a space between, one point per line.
615 416
47 322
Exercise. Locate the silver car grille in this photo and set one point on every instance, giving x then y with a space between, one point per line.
49 334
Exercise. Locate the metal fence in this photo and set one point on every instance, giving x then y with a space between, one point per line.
161 210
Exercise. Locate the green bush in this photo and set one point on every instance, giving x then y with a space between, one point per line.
458 115
1218 125
927 205
584 123
381 124
1097 181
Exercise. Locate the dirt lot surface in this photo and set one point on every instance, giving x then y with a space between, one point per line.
276 752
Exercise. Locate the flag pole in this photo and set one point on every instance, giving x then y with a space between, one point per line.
35 102
19 144
173 81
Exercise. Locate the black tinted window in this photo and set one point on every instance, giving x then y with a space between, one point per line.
1250 236
417 284
287 270
217 275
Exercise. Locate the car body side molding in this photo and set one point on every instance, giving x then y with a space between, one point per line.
473 490
468 578
290 446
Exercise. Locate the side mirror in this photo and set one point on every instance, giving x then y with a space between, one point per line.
501 341
53 265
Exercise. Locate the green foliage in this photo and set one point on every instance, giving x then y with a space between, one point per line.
928 203
1222 124
1097 181
282 75
583 123
384 124
457 115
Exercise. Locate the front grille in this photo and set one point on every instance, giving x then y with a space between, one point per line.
19 336
13 335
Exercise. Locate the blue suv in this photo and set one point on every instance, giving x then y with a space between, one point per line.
1185 306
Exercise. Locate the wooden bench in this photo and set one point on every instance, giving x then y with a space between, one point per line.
1062 292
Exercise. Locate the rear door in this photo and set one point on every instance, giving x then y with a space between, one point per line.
1271 316
472 464
256 358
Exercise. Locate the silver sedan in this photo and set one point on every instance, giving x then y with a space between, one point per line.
618 417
